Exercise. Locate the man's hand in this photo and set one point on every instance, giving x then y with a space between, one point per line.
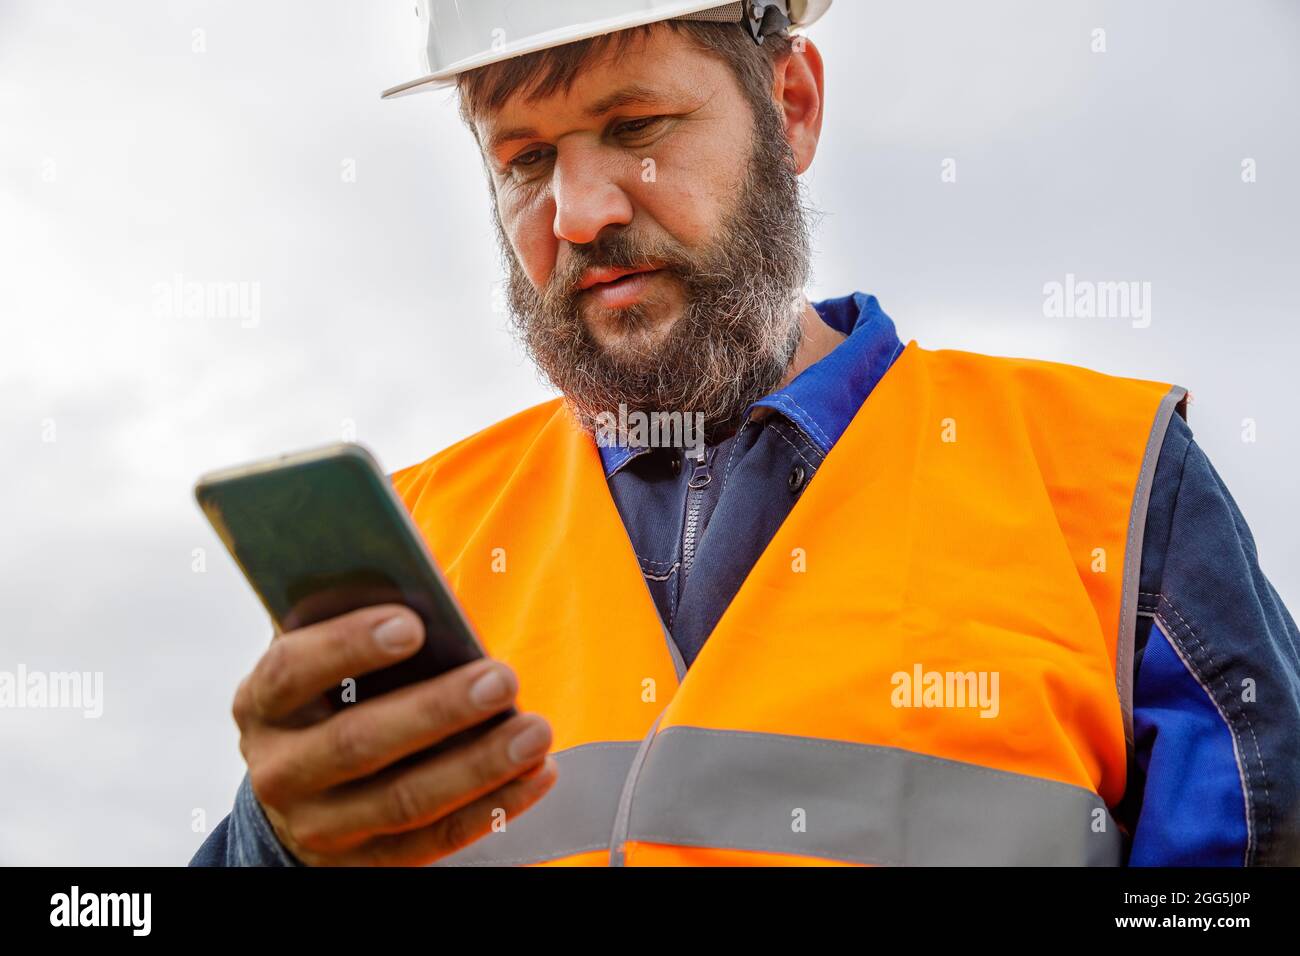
325 779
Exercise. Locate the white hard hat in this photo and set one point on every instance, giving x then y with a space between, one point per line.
461 35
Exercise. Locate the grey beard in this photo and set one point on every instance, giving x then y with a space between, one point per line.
739 330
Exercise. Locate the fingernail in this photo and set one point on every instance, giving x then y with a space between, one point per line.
397 634
490 690
542 769
530 743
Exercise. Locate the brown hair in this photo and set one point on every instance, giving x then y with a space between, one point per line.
546 72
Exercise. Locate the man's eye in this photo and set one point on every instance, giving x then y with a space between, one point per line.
638 125
530 158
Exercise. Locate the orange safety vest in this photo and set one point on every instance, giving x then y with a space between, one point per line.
930 663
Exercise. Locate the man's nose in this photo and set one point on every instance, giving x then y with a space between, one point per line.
587 195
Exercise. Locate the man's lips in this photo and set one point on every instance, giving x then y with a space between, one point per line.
617 288
594 277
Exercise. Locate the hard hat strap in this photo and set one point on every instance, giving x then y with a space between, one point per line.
762 17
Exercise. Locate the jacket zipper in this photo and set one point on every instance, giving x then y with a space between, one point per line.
700 479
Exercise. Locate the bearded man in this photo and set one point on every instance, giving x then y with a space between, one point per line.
894 605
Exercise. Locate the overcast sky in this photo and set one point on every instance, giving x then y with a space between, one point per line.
137 153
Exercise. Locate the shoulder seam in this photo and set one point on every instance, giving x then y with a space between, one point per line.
1185 654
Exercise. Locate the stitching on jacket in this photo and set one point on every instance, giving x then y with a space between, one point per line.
1245 717
675 583
263 825
811 421
1252 845
800 436
797 451
660 577
731 455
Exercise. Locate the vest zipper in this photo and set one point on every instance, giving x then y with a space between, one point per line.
700 479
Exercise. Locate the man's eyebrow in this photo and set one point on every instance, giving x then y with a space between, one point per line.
497 140
634 95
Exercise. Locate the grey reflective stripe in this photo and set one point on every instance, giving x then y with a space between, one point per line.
1133 560
860 803
619 834
576 816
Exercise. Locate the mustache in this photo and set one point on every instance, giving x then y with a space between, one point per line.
621 250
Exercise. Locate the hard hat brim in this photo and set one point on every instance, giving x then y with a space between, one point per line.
432 81
447 77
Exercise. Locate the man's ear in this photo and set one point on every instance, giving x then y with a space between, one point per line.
799 93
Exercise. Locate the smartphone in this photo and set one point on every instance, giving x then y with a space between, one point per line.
321 532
